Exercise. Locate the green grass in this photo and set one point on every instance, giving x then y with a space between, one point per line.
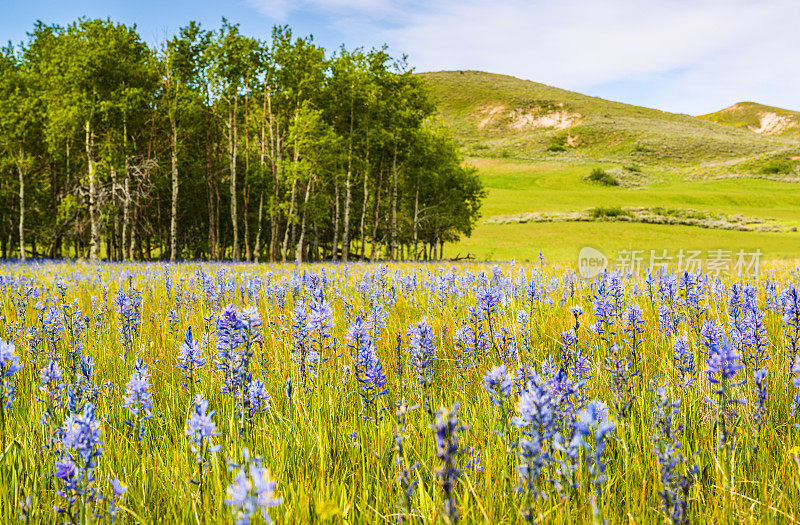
516 186
333 466
749 114
487 114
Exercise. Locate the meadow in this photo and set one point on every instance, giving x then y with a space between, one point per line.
516 186
212 393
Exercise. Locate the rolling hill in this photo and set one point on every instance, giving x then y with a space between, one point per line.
501 116
534 146
758 118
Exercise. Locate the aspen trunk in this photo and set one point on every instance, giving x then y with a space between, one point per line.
173 223
257 249
21 210
335 249
94 240
232 145
347 193
394 203
299 248
416 220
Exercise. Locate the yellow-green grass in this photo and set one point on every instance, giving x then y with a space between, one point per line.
562 241
483 110
517 187
331 465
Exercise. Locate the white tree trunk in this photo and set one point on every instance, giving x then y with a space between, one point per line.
173 224
298 253
394 205
232 149
94 242
21 211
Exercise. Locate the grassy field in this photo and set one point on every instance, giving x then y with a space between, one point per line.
534 146
579 440
518 186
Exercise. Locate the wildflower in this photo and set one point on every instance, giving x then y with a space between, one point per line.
498 383
258 397
592 428
623 380
446 431
190 360
668 319
252 489
138 398
201 431
405 479
81 444
118 490
9 366
369 371
320 318
422 346
129 311
536 419
683 358
634 328
795 372
722 366
474 462
604 311
760 379
790 309
676 477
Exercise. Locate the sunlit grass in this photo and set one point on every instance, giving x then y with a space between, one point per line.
333 466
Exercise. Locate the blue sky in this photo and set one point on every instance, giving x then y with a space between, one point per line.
685 56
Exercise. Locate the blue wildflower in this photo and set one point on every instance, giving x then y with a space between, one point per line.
446 431
251 490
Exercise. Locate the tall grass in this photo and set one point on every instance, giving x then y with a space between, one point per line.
331 464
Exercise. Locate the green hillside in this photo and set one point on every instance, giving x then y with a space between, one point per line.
502 116
704 183
758 118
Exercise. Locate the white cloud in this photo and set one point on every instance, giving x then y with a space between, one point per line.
681 55
281 9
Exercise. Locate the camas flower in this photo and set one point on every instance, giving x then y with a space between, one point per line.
201 430
190 360
252 490
422 347
9 366
498 383
446 431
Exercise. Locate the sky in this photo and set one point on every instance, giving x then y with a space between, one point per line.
683 56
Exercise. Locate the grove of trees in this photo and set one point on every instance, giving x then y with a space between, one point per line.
221 146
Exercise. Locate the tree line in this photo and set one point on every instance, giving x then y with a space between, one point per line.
220 146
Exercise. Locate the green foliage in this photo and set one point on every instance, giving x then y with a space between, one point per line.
600 176
557 143
778 166
221 145
609 212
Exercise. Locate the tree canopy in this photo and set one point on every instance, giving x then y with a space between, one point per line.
221 146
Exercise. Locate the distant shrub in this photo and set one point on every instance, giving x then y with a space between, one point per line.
639 148
557 143
778 166
633 168
480 146
600 176
602 212
505 154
